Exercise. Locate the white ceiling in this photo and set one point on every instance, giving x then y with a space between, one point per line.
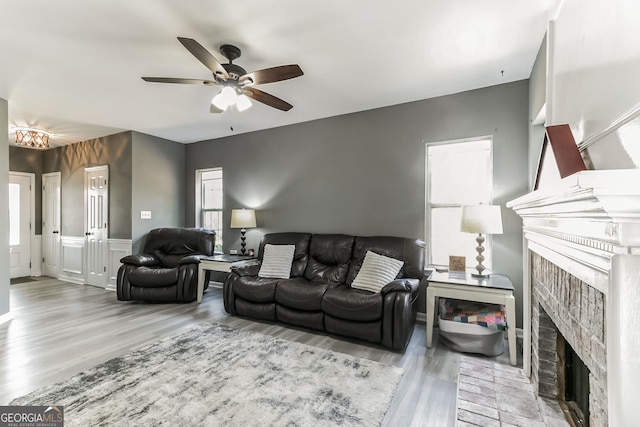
73 67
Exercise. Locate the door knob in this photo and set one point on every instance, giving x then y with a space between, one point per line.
56 232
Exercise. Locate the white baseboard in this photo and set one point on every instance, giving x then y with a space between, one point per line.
214 284
74 280
6 317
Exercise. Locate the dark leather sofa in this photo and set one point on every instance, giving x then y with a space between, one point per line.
167 269
318 294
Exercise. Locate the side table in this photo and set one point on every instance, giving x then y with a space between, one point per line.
496 289
220 263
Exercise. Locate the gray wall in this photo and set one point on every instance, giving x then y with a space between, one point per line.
4 207
71 160
145 173
29 160
158 185
364 173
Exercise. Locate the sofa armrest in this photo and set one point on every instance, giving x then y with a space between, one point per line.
190 259
140 260
246 268
401 285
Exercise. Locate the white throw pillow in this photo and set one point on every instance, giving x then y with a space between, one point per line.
277 261
376 271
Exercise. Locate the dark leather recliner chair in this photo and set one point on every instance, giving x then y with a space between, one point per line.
167 269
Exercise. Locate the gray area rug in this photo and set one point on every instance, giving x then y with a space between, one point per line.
214 375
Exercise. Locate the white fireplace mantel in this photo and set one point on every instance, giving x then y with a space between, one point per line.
589 225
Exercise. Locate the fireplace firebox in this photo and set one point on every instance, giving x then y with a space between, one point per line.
574 383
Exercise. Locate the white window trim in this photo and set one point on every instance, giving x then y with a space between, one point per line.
488 244
198 193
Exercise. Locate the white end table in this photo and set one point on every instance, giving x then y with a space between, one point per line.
497 289
216 263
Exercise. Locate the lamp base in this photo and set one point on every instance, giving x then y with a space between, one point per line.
480 276
243 241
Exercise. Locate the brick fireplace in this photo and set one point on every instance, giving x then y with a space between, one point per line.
581 289
567 311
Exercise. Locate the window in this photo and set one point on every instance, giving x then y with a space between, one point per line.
209 191
458 173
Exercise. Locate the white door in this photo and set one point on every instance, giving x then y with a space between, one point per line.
51 224
20 224
96 227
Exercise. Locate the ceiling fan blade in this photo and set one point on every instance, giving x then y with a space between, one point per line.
214 109
267 99
270 75
177 80
204 56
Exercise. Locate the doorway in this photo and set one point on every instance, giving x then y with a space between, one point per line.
51 224
21 219
96 214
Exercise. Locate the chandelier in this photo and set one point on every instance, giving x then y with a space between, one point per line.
32 138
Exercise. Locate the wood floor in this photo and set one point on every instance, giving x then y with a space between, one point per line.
59 329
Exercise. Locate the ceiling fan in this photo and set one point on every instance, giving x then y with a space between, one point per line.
238 85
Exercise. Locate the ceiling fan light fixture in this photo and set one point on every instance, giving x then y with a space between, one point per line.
225 98
243 103
238 85
31 138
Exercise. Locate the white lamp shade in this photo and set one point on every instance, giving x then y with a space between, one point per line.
225 98
481 219
243 218
243 103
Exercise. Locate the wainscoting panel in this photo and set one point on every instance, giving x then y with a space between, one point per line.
36 255
118 248
72 259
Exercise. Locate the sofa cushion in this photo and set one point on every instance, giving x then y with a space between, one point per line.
301 255
376 271
149 277
329 257
277 261
301 294
255 289
348 303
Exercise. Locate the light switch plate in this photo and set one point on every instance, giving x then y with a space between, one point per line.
145 214
233 252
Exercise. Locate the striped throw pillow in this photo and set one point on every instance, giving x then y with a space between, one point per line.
277 261
376 271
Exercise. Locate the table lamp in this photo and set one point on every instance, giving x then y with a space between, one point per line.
243 219
481 219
